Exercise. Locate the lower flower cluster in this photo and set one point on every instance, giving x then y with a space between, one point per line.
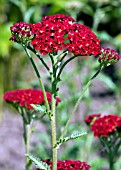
69 165
104 125
26 97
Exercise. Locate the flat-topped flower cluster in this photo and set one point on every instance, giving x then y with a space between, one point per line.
69 165
55 33
26 97
103 126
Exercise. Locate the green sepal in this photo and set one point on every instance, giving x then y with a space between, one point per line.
38 162
72 137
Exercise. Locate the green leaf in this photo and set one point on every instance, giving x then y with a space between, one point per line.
103 36
39 108
29 13
72 137
20 4
38 163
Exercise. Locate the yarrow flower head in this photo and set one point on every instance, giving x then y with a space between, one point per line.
108 56
57 32
21 32
69 165
26 97
106 125
49 34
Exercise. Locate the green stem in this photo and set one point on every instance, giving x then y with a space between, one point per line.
37 122
26 133
62 56
53 126
111 163
33 50
27 144
117 147
111 158
62 67
40 80
109 150
78 102
74 109
53 114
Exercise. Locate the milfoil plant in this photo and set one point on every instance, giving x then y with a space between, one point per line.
108 129
60 38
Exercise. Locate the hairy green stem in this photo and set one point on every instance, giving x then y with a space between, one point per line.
26 133
53 126
78 102
109 148
53 114
53 106
27 144
33 50
40 80
74 109
111 161
62 67
110 156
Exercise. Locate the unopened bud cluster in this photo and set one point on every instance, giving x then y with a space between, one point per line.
108 56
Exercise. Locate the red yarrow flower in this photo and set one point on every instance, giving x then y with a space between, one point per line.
106 125
108 56
69 165
26 97
57 32
49 34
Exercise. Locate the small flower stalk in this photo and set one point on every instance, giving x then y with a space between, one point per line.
60 38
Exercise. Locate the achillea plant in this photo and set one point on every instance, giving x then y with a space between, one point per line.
54 37
108 129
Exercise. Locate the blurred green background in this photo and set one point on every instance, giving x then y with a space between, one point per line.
104 18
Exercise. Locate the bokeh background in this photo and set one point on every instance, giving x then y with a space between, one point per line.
104 96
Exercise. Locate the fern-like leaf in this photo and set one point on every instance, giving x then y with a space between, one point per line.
39 108
38 162
72 137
